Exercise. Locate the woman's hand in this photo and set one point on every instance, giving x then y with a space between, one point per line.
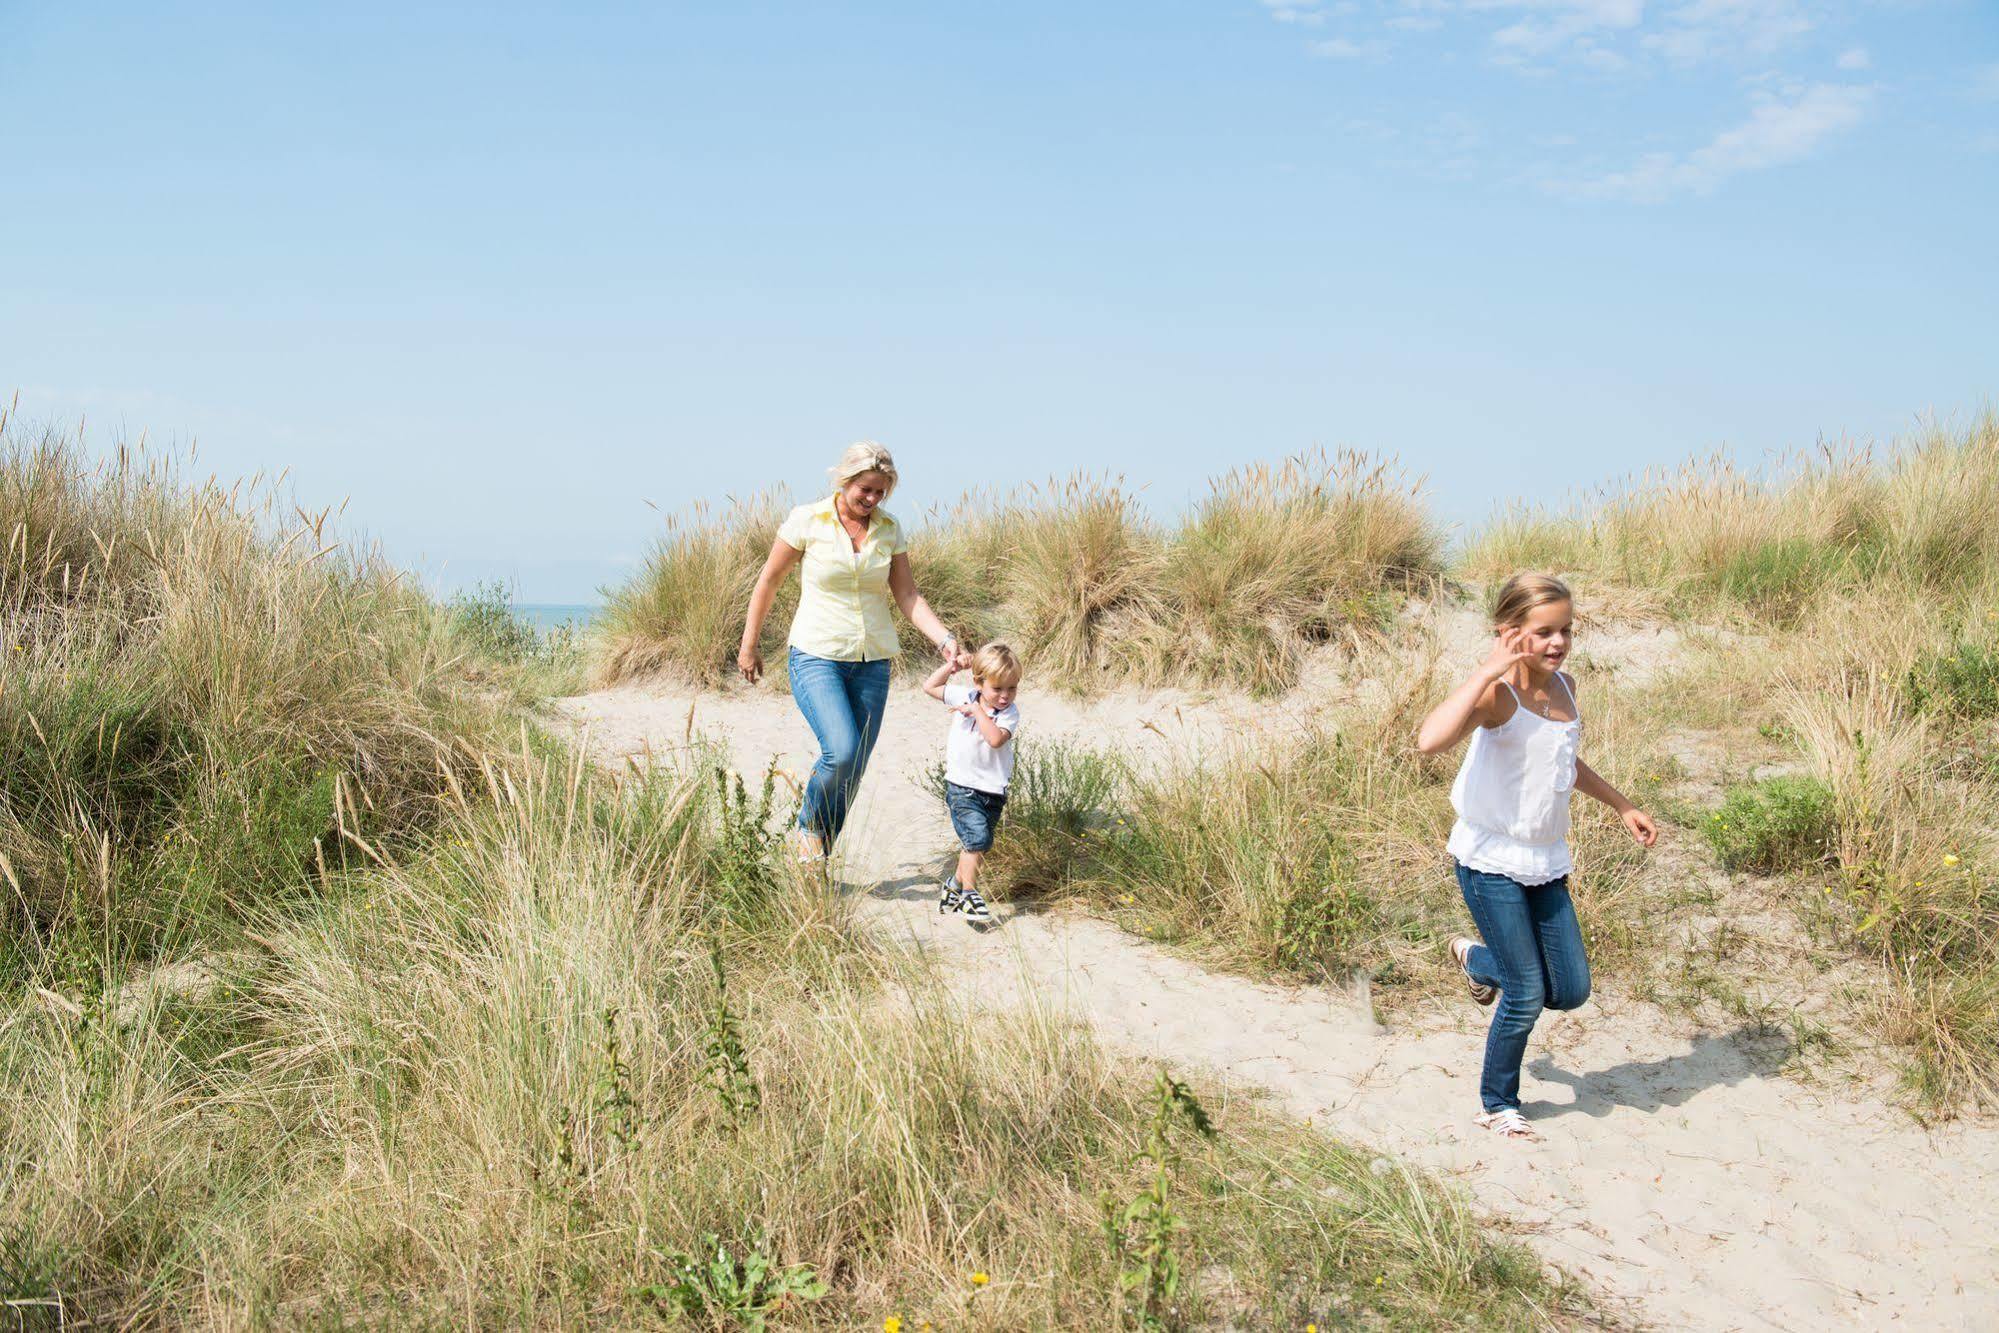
1640 826
1507 652
751 663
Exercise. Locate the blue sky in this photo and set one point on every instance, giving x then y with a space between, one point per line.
502 275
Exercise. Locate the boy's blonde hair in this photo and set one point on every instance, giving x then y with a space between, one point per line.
863 456
996 664
1523 592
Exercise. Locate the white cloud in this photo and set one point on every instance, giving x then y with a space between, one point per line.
1340 48
1778 131
1554 24
1855 58
1701 29
1306 12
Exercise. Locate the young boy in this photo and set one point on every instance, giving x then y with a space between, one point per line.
978 763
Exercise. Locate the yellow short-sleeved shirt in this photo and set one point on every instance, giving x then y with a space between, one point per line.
843 600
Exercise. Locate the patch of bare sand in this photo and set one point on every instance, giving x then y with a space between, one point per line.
1679 1169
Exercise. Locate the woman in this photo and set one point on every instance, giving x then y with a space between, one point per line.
855 558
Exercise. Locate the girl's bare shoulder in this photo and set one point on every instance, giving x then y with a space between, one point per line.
1497 705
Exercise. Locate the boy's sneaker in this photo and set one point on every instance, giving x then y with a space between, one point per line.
973 906
953 898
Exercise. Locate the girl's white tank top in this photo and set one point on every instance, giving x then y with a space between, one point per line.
1512 795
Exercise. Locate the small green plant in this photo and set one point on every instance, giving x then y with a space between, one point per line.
1961 681
743 861
614 1082
1782 823
484 617
1144 1232
714 1284
728 1059
1327 925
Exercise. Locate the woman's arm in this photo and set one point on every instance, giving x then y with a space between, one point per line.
782 557
1470 704
1592 784
902 586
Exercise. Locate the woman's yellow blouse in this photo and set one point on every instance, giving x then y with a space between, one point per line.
843 600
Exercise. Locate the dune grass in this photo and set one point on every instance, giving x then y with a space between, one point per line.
484 1081
1715 539
1081 578
208 699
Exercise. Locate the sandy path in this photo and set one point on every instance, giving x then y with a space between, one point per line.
1678 1169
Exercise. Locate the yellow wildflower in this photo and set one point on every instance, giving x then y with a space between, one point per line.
892 1324
1950 858
980 1279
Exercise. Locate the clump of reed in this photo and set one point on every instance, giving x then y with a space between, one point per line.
482 1081
684 609
1078 576
1713 538
208 698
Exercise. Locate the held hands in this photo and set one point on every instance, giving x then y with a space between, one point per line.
1639 825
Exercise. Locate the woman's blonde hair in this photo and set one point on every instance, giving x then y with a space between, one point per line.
863 456
1523 592
996 664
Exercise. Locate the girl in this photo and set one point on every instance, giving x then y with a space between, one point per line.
854 563
1511 840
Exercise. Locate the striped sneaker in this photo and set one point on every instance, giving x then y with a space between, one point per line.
1480 992
974 908
953 898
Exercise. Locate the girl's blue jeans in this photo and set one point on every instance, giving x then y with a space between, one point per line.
843 703
1533 952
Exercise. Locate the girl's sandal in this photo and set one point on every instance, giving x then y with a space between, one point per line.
1480 992
1508 1124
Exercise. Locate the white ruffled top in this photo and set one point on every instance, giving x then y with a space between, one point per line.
1512 795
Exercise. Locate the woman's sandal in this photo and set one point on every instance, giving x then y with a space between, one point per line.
1480 992
1508 1124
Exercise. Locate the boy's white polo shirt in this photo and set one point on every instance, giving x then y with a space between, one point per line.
968 760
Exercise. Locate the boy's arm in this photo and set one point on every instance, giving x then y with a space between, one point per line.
934 686
989 727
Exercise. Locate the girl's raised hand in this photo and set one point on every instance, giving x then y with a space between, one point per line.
1640 826
1507 651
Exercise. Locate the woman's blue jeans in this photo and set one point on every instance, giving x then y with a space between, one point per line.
1533 952
843 703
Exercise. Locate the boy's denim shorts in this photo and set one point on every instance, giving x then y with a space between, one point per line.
974 815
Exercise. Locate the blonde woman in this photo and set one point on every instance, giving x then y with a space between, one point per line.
853 559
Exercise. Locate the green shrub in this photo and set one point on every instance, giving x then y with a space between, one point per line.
1783 823
1961 681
